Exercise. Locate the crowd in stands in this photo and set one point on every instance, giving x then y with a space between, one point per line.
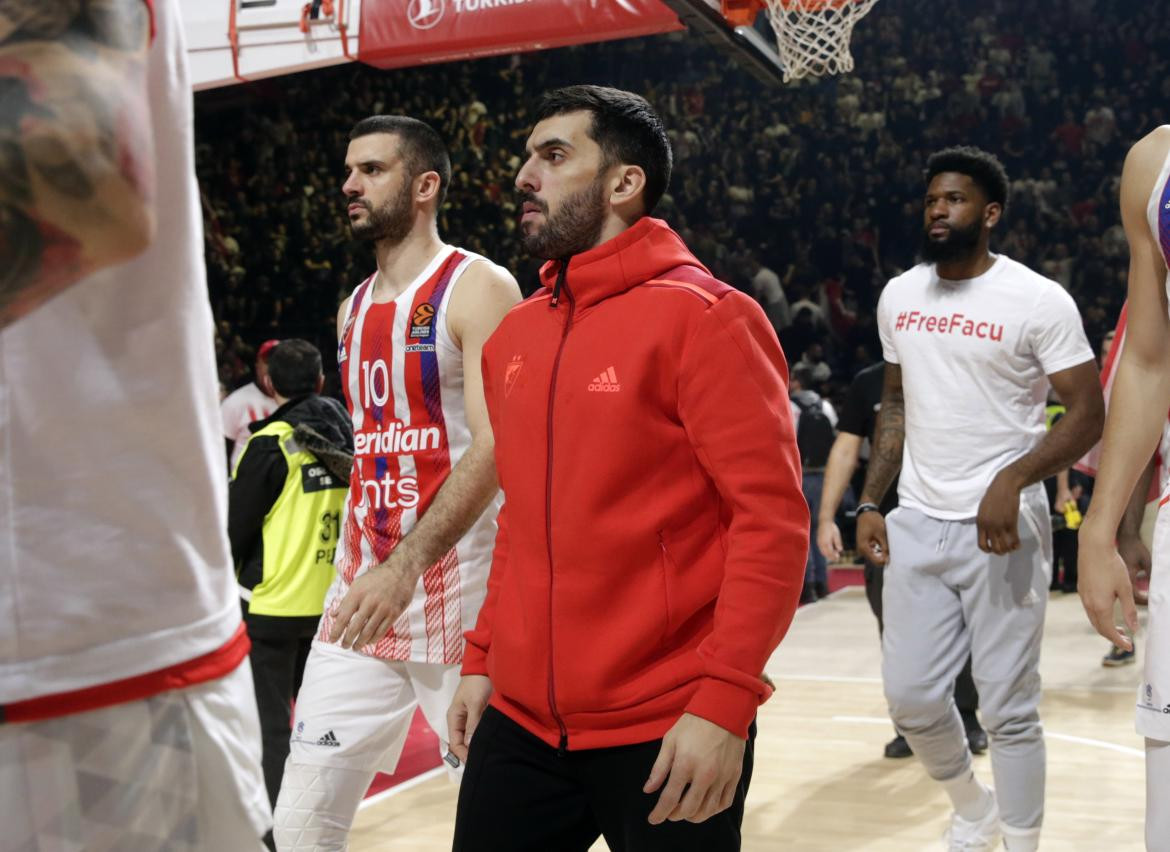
806 196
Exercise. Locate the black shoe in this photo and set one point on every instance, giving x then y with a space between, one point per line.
977 739
808 595
898 747
822 589
1118 657
1069 590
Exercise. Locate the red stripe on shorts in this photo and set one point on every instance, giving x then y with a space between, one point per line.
217 664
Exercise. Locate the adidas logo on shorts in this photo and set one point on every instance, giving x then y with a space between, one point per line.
329 740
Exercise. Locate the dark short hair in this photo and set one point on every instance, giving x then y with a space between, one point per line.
423 148
625 126
982 167
295 368
803 373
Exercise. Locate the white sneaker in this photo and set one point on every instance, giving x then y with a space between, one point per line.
979 836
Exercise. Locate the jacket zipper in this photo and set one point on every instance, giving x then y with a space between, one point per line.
552 695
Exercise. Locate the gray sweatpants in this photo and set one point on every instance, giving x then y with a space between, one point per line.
944 598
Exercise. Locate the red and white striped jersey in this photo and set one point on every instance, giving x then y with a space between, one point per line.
403 380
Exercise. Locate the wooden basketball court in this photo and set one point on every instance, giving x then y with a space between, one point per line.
820 780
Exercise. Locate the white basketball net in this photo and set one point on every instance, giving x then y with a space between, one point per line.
813 35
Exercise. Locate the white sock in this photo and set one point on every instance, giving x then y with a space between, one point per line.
971 799
1020 839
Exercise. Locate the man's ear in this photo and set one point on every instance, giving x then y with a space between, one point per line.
629 184
992 213
266 385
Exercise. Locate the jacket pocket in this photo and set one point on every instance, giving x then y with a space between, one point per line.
669 572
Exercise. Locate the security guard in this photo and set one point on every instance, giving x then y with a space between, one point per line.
283 521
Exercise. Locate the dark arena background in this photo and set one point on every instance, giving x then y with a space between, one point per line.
806 195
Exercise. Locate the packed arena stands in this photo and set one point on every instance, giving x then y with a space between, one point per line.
819 183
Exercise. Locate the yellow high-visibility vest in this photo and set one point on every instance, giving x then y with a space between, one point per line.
301 533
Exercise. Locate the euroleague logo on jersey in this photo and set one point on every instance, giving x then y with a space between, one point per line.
423 321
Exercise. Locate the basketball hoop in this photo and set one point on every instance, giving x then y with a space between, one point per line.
813 35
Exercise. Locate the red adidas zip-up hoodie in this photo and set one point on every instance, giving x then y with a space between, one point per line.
652 545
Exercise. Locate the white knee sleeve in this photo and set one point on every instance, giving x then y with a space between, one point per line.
1157 795
316 807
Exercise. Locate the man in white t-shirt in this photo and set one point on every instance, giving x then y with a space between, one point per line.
769 292
245 405
972 341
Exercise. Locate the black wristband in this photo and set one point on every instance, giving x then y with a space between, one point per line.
862 508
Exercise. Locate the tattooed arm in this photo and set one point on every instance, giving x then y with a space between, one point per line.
885 460
76 154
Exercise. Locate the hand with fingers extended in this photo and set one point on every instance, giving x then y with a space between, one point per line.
998 521
829 540
1103 579
372 605
471 699
871 537
700 764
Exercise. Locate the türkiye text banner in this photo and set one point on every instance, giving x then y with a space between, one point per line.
397 33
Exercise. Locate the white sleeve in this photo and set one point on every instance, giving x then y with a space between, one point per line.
230 416
1056 332
885 330
830 412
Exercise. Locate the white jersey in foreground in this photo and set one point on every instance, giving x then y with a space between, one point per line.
114 558
1153 704
975 356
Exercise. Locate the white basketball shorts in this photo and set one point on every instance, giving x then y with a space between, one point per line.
177 771
354 711
1153 703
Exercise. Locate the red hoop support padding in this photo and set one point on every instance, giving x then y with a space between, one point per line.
742 13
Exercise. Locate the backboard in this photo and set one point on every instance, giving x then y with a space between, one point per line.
747 43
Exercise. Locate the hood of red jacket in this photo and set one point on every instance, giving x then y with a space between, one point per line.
638 254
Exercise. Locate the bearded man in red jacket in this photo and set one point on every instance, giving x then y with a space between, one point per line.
651 548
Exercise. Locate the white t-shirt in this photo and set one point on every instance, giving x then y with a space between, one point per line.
242 407
975 357
114 558
771 293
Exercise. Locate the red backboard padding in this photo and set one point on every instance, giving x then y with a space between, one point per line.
397 33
